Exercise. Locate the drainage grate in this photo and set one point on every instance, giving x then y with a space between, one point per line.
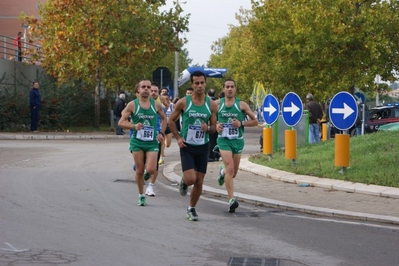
236 261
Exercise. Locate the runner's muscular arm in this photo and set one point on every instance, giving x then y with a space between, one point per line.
213 119
124 121
219 126
245 108
162 115
177 110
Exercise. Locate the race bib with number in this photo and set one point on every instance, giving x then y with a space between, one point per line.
195 135
146 133
229 131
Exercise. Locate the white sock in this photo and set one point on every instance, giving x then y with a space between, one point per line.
222 172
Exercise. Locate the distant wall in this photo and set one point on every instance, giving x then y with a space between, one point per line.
14 74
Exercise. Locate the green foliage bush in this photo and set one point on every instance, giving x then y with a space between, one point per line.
64 106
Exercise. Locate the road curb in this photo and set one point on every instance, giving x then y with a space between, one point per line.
168 172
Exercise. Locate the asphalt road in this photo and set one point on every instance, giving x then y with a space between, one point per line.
60 205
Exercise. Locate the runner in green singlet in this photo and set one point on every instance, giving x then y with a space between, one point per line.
196 111
144 113
230 126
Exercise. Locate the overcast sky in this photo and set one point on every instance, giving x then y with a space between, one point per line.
209 21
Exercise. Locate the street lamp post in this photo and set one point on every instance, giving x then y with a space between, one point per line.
25 27
175 81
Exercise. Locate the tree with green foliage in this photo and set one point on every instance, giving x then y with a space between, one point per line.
325 47
112 43
237 53
312 46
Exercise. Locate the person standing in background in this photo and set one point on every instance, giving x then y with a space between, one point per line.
315 115
118 108
18 47
35 102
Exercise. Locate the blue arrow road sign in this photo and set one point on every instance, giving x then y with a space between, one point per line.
343 110
292 109
271 109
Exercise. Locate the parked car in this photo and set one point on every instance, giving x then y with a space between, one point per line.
352 130
381 115
390 126
375 117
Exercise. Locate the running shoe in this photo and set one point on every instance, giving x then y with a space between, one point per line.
221 177
134 167
141 201
146 175
161 161
233 205
183 188
150 190
192 214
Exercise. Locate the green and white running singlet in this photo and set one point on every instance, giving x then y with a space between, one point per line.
145 138
192 118
226 115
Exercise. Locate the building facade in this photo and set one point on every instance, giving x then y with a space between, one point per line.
10 10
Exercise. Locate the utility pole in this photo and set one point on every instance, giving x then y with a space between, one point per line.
176 78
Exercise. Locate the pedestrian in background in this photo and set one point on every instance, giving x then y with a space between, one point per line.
118 108
315 115
35 102
18 47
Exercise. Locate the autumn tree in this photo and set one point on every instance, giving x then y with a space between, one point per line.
110 43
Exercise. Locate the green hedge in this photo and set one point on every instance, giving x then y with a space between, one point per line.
68 105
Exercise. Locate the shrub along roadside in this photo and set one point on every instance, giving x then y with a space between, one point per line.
374 159
63 107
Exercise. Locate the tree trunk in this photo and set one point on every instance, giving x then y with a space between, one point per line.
97 94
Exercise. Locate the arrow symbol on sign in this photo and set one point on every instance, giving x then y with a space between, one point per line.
270 109
347 111
293 109
214 73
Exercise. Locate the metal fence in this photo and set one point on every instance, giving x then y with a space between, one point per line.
10 51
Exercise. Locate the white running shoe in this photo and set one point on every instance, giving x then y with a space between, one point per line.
150 190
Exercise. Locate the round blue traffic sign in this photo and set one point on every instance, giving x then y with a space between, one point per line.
271 109
292 109
343 110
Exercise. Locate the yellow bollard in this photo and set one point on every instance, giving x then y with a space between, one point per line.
324 131
290 144
267 140
342 150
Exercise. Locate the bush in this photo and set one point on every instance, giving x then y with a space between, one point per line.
68 105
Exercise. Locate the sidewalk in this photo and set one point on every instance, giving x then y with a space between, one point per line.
268 187
61 135
278 189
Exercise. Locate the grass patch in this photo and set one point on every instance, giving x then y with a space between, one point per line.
374 159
